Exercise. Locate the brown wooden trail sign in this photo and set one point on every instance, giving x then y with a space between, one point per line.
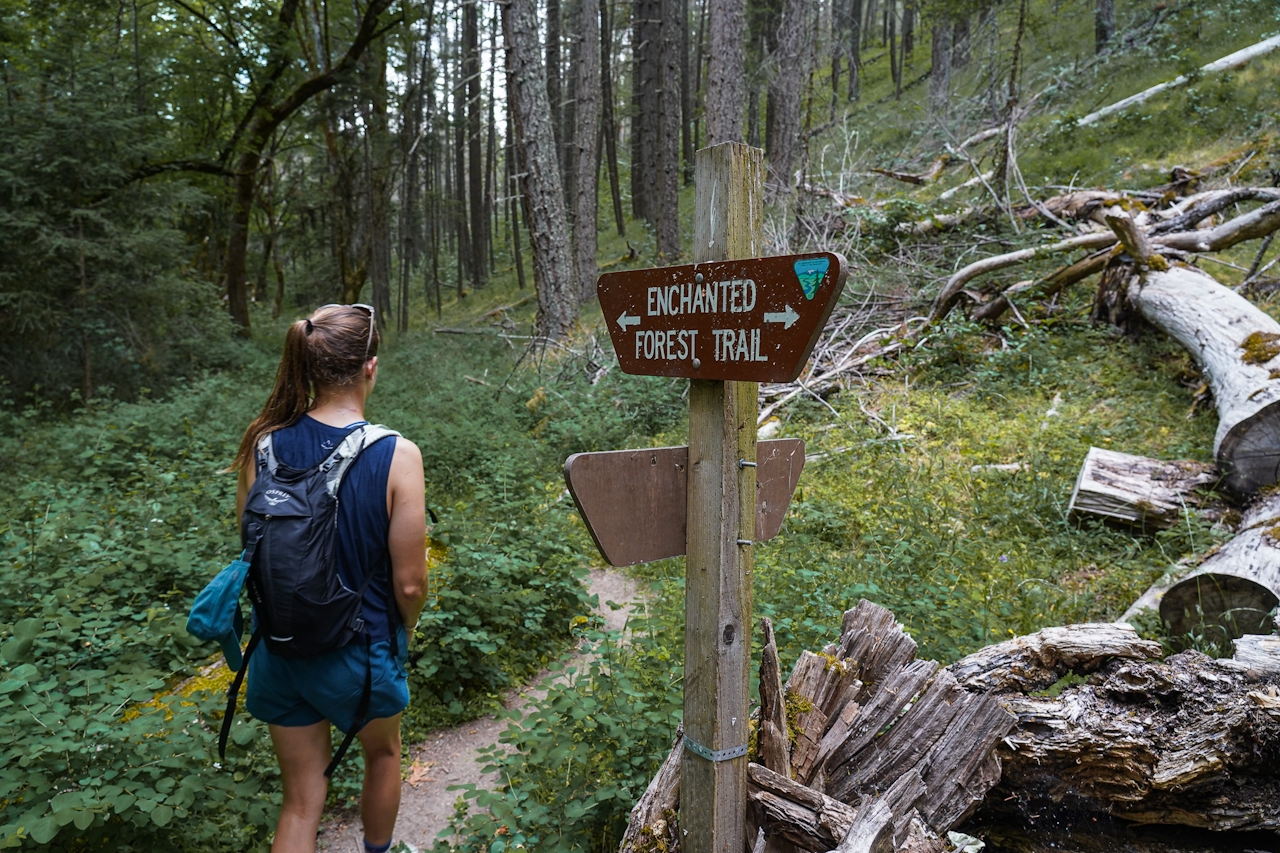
753 320
634 502
725 324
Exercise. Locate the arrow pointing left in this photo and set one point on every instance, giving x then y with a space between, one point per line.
624 321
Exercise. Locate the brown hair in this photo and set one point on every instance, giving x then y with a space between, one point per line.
326 350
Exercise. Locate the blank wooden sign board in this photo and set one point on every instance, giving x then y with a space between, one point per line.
634 501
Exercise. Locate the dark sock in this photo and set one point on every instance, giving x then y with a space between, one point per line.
376 848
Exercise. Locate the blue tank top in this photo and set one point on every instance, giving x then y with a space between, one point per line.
363 522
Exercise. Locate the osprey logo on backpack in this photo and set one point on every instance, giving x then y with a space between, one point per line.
275 497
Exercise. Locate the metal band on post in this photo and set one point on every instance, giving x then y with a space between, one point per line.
714 754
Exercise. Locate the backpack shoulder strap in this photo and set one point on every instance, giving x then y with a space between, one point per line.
335 467
267 454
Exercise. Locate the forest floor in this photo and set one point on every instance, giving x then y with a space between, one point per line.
448 757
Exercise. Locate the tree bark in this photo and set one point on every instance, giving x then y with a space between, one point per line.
552 260
588 126
668 172
791 65
610 127
646 121
855 50
726 92
1234 591
1188 741
1237 347
475 160
773 736
554 95
940 57
1104 24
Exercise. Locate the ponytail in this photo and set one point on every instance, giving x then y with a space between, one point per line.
327 350
290 398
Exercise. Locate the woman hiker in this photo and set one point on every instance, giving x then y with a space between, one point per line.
328 370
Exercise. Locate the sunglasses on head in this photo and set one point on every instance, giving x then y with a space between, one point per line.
368 308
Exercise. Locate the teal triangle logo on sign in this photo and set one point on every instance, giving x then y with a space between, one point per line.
811 271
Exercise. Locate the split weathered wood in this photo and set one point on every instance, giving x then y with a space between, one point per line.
653 824
1036 661
1137 491
871 724
869 715
1188 741
729 181
1235 588
773 736
1258 655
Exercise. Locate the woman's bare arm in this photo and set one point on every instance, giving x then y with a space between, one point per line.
406 540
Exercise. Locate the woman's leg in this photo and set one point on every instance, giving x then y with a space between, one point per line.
303 753
380 797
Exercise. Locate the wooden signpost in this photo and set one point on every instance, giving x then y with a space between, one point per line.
727 322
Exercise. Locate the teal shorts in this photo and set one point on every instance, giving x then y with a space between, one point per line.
304 691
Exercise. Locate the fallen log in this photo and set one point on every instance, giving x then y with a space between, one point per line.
1235 344
1137 491
1236 588
1257 223
1036 661
1189 741
1229 61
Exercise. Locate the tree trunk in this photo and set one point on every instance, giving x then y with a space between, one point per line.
267 115
588 126
554 94
552 260
791 60
610 127
646 120
1237 347
855 50
461 226
686 94
725 62
572 12
960 39
1104 24
908 33
940 57
668 165
877 750
475 159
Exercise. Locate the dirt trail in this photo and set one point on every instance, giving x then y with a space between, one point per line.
448 756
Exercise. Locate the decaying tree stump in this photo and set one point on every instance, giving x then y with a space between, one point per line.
1189 741
1137 491
868 749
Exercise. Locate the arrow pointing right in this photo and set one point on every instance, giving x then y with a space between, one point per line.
787 318
624 321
